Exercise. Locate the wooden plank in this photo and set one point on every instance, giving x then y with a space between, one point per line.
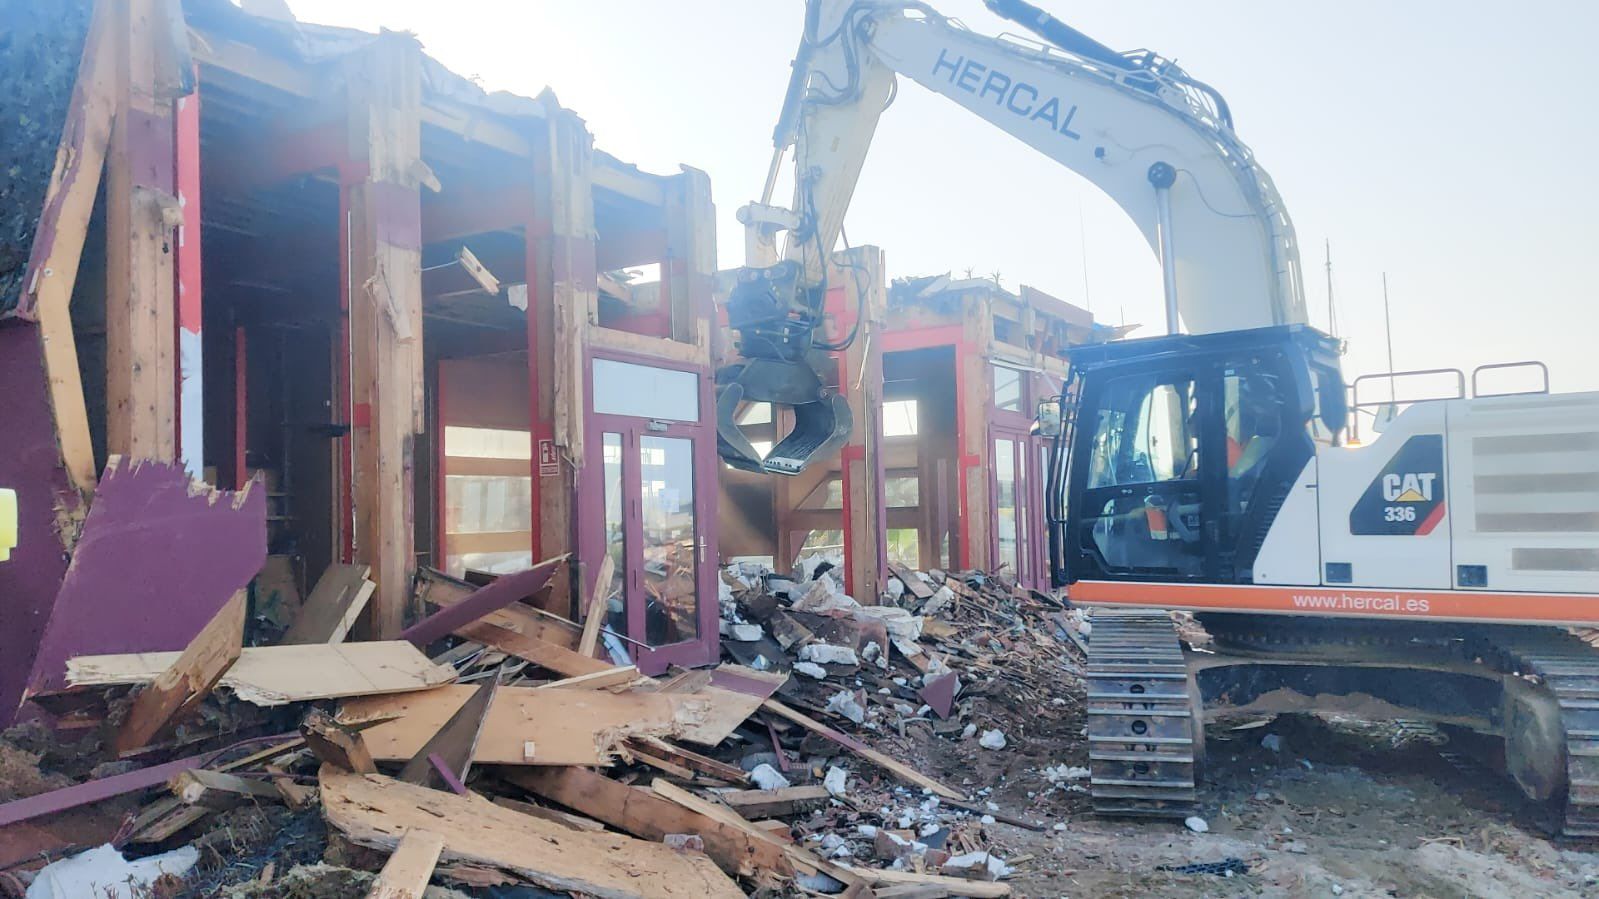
297 795
565 819
407 872
337 600
498 594
59 240
917 587
376 811
645 814
598 680
140 214
560 727
337 744
437 588
956 886
382 290
775 803
182 682
901 771
452 746
544 654
276 675
217 790
691 760
798 857
597 607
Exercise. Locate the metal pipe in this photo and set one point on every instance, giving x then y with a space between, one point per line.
1162 176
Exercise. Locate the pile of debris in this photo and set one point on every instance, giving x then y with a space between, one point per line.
498 744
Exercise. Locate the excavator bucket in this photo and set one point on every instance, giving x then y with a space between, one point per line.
822 418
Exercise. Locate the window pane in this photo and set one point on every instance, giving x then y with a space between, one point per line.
615 534
1007 388
670 565
904 547
487 443
482 504
1005 501
1145 431
903 492
899 418
644 391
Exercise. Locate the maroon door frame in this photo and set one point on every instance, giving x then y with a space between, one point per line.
1005 424
590 517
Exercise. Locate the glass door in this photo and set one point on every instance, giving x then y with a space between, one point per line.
652 492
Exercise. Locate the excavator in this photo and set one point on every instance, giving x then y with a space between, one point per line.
1437 571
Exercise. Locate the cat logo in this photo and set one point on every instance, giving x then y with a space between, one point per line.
1409 487
1406 498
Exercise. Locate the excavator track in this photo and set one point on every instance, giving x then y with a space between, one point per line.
1141 725
1568 668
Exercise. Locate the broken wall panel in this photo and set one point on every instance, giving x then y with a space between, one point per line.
159 555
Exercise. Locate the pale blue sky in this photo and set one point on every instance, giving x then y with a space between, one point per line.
1451 144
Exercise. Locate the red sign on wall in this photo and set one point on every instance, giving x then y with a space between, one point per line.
549 464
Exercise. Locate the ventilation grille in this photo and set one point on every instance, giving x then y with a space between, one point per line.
1553 559
1537 483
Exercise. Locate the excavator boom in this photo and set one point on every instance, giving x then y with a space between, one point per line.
1155 140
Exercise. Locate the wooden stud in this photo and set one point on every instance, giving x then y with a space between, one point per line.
407 872
648 816
141 215
862 456
599 680
598 607
216 790
333 606
180 688
58 244
383 292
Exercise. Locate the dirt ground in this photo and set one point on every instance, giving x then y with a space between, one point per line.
1324 815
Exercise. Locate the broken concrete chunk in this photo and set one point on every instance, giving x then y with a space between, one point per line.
828 654
743 633
1196 824
992 739
844 703
836 781
810 669
768 778
981 861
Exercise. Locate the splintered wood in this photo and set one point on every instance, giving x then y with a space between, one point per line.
376 811
275 675
562 727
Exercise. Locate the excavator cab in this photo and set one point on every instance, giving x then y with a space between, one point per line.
1174 453
775 321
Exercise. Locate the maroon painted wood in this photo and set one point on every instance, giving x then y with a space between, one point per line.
158 557
95 790
30 464
503 591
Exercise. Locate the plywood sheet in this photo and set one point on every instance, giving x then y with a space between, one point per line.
274 675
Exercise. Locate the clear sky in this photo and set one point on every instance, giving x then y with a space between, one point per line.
1450 144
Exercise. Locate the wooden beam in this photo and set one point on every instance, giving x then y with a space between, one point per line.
544 654
644 814
216 790
333 606
595 618
377 811
862 456
754 804
494 596
141 215
801 859
180 688
59 240
407 872
383 294
599 680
